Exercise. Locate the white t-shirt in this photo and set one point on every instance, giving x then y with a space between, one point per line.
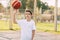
26 28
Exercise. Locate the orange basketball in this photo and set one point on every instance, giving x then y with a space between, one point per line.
16 4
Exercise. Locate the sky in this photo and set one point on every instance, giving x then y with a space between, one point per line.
4 2
50 2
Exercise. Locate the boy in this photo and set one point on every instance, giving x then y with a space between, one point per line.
27 26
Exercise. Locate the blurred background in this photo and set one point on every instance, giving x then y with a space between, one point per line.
46 14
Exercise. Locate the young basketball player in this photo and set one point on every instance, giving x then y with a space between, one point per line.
27 26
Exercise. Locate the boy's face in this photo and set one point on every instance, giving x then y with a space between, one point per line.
28 15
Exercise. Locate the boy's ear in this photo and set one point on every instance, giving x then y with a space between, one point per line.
31 15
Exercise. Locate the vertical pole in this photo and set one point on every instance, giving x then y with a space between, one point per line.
55 15
35 10
10 22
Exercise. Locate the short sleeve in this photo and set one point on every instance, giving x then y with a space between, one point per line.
33 27
19 22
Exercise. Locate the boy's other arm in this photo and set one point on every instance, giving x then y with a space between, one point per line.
33 33
33 30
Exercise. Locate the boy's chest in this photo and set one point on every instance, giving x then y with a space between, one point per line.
27 25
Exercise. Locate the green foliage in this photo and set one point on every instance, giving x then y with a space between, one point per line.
23 4
44 7
39 3
30 5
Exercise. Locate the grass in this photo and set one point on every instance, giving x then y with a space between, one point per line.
4 25
47 27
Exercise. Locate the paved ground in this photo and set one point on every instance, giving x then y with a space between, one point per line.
15 35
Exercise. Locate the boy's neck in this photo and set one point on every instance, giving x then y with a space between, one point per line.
28 20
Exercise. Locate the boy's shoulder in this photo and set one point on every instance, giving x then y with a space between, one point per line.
33 21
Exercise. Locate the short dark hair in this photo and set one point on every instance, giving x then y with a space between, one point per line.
29 11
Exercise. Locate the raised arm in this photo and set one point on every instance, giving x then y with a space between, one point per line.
14 16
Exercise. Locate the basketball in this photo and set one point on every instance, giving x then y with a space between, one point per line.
16 4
